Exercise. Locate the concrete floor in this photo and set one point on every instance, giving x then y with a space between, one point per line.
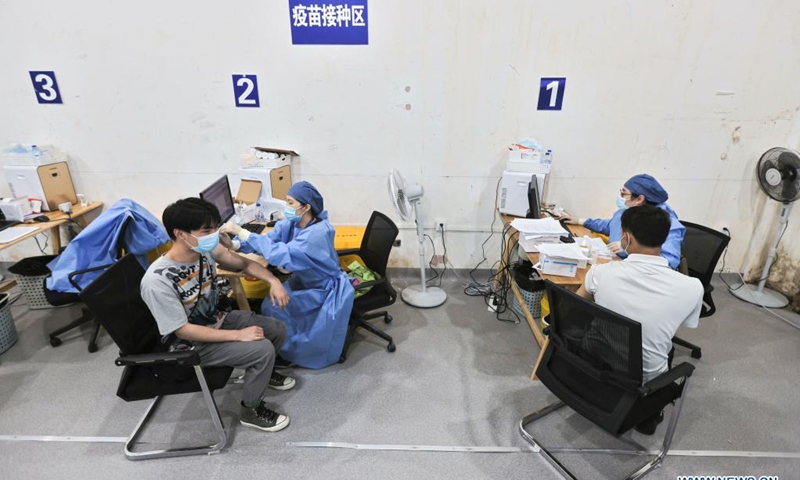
459 377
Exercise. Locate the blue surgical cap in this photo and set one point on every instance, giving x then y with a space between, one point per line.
306 194
648 186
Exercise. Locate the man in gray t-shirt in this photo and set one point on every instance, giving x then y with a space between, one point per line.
181 292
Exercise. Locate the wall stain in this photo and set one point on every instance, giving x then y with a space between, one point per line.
735 136
784 277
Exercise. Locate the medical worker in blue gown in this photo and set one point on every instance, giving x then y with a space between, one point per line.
320 294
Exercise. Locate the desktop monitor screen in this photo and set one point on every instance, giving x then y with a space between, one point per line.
533 198
219 193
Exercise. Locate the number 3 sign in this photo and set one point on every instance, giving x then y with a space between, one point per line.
245 90
551 93
46 87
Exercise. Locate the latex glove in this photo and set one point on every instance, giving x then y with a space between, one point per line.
234 229
615 247
571 221
278 295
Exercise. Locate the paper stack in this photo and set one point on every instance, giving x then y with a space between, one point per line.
562 259
535 232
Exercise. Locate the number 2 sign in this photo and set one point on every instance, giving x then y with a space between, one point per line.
551 93
46 87
245 90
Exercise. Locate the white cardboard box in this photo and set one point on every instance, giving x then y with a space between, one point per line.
565 265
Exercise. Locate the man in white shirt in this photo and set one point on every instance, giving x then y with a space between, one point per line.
644 288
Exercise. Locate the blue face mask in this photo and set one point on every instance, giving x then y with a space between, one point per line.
621 203
290 214
206 243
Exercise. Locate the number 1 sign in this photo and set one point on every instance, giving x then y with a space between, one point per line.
551 93
245 90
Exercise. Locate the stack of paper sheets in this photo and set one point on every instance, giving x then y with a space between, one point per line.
534 232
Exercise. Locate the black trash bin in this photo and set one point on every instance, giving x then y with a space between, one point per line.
31 274
531 287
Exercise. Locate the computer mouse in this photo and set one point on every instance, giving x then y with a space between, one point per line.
41 218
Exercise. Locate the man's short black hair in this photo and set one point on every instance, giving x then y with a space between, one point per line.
649 225
190 214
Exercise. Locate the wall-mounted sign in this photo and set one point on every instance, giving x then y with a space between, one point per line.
46 87
551 93
245 90
329 23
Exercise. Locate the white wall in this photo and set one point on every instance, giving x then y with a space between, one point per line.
691 92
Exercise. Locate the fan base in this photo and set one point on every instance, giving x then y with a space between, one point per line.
768 298
431 297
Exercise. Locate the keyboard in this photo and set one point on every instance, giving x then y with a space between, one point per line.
253 227
7 223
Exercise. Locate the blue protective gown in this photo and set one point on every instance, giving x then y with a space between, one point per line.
96 245
671 249
321 296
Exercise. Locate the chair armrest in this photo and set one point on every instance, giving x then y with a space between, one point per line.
661 381
71 276
349 251
371 283
183 358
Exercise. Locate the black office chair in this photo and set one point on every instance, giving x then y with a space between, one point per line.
150 372
375 249
60 298
593 364
702 247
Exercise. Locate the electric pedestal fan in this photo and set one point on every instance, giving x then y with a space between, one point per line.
777 173
403 199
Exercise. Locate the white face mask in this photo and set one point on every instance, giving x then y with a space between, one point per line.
625 249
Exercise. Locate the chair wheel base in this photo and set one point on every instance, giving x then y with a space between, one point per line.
391 347
388 319
697 354
55 341
92 347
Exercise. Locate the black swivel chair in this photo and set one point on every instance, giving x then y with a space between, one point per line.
59 298
702 247
593 364
375 249
150 372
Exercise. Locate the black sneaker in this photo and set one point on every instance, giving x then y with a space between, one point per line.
281 382
263 418
281 362
648 427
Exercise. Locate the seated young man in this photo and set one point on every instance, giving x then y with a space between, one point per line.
644 288
180 290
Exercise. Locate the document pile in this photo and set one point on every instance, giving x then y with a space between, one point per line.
535 232
563 260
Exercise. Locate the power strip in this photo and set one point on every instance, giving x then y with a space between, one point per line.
492 304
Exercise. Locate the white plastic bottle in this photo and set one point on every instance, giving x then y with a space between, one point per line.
548 157
259 213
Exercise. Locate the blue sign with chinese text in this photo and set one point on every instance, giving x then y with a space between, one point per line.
551 93
329 23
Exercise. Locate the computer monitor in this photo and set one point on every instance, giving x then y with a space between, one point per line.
219 193
533 198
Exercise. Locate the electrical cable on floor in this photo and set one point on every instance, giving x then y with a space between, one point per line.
769 309
444 257
430 262
497 298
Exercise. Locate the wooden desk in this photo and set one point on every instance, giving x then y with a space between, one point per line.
57 219
571 283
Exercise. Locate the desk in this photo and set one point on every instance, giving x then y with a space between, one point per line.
571 283
57 219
